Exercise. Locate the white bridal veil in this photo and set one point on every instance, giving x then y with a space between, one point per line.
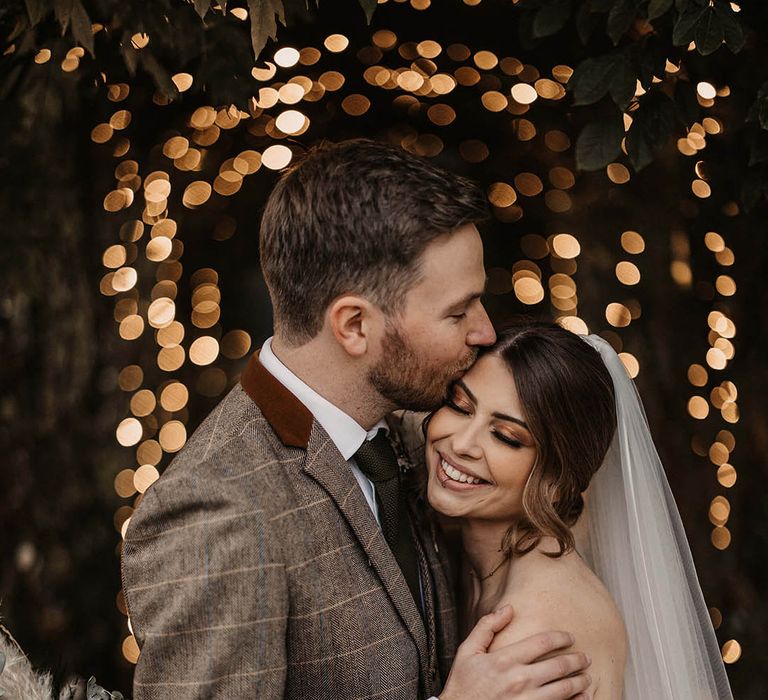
636 544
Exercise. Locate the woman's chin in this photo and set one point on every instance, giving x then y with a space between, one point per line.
441 501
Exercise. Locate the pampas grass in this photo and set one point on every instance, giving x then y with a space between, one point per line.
18 681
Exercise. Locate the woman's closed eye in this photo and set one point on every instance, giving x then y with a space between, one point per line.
459 408
512 442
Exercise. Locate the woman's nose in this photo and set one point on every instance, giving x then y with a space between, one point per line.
465 441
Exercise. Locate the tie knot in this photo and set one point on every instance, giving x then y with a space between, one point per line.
376 459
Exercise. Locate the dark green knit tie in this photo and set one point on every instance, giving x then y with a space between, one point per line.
377 461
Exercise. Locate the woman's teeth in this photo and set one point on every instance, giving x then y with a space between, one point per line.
456 475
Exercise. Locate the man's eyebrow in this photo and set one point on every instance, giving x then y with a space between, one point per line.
502 416
463 303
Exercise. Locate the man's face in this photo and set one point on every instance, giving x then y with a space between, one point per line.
435 338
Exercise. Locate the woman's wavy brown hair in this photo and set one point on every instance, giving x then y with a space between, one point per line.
568 400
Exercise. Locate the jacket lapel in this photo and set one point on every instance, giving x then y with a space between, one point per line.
295 426
325 465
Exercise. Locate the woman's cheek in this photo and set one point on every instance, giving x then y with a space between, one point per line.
438 425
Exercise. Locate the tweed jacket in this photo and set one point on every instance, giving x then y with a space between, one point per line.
254 568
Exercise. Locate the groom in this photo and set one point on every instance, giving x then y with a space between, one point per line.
278 555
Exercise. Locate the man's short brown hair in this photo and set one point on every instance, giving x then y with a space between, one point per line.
355 217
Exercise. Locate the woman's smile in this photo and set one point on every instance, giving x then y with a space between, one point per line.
452 475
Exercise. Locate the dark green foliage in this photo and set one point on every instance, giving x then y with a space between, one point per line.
74 19
551 18
599 142
652 126
595 77
646 35
656 8
262 15
620 18
709 32
733 32
369 7
685 26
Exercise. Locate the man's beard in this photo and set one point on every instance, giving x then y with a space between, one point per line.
402 377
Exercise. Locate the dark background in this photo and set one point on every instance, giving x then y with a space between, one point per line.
60 402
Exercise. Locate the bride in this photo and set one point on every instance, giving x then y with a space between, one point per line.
543 455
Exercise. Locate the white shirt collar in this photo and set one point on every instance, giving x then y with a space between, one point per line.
345 432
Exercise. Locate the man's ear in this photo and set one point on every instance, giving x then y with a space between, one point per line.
356 324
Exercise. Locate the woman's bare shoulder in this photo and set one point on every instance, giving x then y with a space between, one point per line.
566 595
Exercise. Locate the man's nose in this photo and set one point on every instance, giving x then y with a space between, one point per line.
482 332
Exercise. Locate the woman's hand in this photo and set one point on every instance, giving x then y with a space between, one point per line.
516 671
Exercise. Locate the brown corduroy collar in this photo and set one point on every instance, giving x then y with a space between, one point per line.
289 418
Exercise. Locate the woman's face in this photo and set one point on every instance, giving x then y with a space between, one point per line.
480 452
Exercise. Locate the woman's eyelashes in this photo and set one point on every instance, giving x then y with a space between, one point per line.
452 404
459 406
508 440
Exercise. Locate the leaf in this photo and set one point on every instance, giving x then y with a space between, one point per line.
586 23
159 74
130 55
685 26
709 32
263 24
63 11
623 84
202 7
593 78
620 19
599 143
81 26
652 124
600 5
551 18
686 102
651 59
36 9
733 30
656 8
369 7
